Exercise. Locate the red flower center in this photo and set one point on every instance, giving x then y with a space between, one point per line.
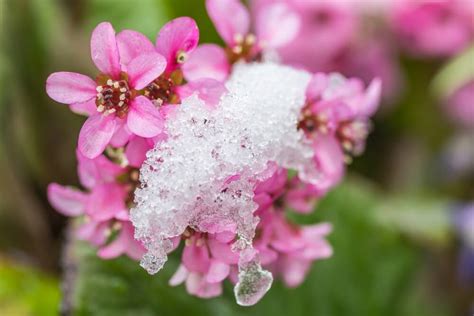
163 89
113 96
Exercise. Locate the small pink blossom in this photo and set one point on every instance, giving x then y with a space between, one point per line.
274 26
434 28
460 105
114 92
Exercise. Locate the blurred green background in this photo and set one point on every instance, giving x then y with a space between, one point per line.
395 251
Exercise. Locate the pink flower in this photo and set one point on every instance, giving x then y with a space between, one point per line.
302 197
105 199
206 263
336 118
434 28
327 29
274 26
119 108
460 105
104 207
288 250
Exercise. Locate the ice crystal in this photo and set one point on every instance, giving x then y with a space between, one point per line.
203 175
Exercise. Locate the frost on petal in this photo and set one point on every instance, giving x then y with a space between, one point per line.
104 50
145 68
95 135
131 44
207 61
230 18
277 25
144 119
70 87
67 201
179 36
185 177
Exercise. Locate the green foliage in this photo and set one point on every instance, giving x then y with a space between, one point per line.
25 291
373 272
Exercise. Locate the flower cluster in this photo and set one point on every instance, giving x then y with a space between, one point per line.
193 145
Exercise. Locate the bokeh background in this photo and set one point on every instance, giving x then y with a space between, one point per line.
397 251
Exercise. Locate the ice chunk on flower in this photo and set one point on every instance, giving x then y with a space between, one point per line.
185 179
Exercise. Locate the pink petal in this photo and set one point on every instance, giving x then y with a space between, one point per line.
144 119
230 18
115 249
207 61
70 87
180 35
95 135
208 90
121 134
104 50
222 251
329 159
145 68
131 44
86 108
218 271
372 98
93 232
106 201
67 201
294 270
136 151
179 276
98 170
196 258
316 86
277 25
134 249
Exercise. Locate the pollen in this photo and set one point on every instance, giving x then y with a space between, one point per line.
113 96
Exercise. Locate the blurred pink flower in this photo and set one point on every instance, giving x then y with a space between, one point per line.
327 28
460 105
206 262
104 207
118 106
288 249
434 28
273 27
336 117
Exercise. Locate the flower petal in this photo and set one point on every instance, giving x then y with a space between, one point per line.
105 201
277 25
180 35
136 151
372 98
95 135
145 68
316 86
207 61
196 258
208 90
144 119
70 87
218 271
230 17
87 108
98 170
67 201
104 50
179 276
131 44
121 134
